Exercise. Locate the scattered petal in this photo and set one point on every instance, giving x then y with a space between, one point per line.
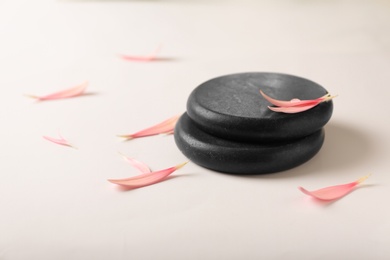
67 93
294 101
295 105
333 192
142 167
152 56
165 127
60 141
146 179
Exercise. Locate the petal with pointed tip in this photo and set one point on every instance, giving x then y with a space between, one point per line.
146 179
142 167
333 192
166 126
294 101
60 141
152 56
67 93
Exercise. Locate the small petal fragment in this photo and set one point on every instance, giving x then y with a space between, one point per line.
67 93
142 167
333 192
295 105
146 179
60 141
165 127
152 56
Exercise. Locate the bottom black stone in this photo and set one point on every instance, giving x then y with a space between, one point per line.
243 158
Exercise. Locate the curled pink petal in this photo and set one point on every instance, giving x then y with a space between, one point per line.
67 93
294 101
164 127
295 105
146 179
333 192
142 167
152 56
60 141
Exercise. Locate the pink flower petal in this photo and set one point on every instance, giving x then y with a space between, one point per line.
164 127
60 141
295 101
143 168
295 105
333 192
67 93
152 56
146 179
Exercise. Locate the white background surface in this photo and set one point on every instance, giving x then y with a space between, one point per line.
55 202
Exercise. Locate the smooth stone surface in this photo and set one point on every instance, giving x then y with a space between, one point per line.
231 107
243 158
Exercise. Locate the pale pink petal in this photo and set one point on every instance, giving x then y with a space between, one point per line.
295 105
292 110
152 56
146 179
166 126
295 101
60 141
142 167
67 93
333 192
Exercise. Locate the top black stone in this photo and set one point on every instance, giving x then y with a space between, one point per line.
232 107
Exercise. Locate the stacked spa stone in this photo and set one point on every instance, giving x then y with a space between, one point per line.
229 128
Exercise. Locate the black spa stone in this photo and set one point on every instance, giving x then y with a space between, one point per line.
235 157
231 107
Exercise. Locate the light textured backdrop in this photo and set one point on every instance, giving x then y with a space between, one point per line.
55 202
